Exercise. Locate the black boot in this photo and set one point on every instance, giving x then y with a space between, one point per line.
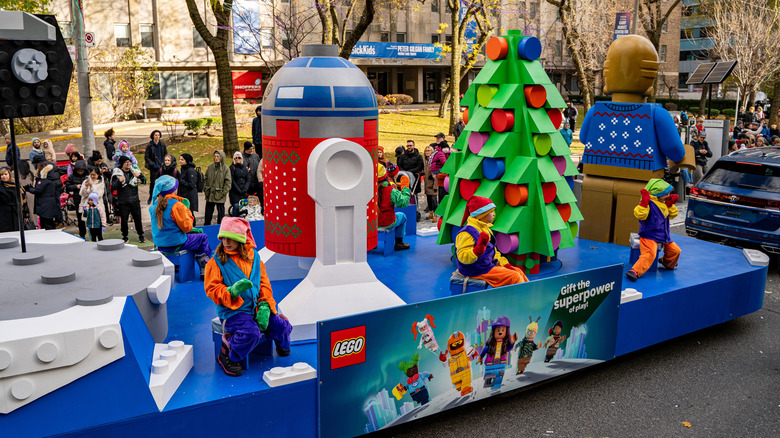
400 245
232 369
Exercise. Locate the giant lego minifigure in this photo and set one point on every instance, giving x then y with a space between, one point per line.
627 142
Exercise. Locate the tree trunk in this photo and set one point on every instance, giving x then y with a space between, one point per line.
455 58
360 28
774 119
703 100
445 100
327 22
228 110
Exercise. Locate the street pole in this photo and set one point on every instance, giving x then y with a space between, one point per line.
635 18
85 97
17 187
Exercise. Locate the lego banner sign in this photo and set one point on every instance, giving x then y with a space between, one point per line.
391 366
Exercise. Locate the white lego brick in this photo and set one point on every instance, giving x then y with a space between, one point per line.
278 376
756 257
431 231
32 368
629 294
171 363
160 290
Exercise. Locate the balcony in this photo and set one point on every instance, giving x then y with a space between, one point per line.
696 44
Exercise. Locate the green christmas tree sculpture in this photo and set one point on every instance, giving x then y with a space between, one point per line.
511 152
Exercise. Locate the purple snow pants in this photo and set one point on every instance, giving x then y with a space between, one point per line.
246 334
199 243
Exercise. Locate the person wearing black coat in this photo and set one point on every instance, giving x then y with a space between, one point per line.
73 186
47 189
188 181
239 175
109 143
154 155
125 182
257 131
9 210
9 151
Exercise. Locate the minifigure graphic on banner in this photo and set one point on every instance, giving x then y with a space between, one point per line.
527 346
415 384
427 338
496 352
460 359
553 342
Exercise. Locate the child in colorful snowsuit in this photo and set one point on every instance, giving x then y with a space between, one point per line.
389 198
253 209
654 211
172 222
476 253
92 217
237 283
497 349
123 150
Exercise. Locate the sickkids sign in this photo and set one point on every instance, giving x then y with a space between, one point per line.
395 51
247 84
391 366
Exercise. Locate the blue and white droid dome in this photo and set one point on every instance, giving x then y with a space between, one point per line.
328 95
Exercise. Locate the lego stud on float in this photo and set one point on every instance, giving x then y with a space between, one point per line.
485 94
466 115
477 140
550 191
542 144
560 164
507 243
467 187
516 194
529 48
556 117
493 168
565 211
447 183
555 239
535 95
502 120
497 48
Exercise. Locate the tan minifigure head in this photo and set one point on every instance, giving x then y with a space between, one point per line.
630 69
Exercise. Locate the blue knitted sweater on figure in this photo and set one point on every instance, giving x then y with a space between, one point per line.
633 135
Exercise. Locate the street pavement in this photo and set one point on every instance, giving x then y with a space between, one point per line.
722 381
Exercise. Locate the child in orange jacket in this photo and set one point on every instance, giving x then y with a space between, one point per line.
237 283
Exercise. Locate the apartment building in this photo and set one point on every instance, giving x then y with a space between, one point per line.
396 52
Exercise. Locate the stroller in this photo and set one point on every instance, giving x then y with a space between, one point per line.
67 204
413 184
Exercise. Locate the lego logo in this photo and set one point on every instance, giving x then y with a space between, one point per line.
347 347
350 346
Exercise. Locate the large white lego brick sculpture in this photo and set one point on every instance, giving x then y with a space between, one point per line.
170 365
41 354
340 281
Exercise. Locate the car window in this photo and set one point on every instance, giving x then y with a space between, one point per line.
745 175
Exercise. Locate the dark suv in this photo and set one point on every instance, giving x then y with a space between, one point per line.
738 200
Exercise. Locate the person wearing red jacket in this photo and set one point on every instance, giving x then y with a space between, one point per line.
391 196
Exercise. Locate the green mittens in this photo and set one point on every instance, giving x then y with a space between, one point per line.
262 315
239 286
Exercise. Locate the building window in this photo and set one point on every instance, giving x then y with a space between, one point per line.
434 38
400 37
558 48
122 35
384 37
147 35
185 85
664 27
533 9
448 39
266 37
197 40
434 5
662 54
200 85
285 42
67 31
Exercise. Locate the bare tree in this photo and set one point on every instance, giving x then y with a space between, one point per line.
278 34
336 17
218 44
122 78
587 28
654 14
742 31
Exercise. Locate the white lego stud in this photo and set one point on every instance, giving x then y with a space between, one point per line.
47 352
5 359
172 362
279 376
160 290
756 257
431 231
629 294
109 339
22 389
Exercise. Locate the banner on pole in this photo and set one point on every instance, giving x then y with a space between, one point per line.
622 25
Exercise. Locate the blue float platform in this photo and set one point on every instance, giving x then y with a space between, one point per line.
712 284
